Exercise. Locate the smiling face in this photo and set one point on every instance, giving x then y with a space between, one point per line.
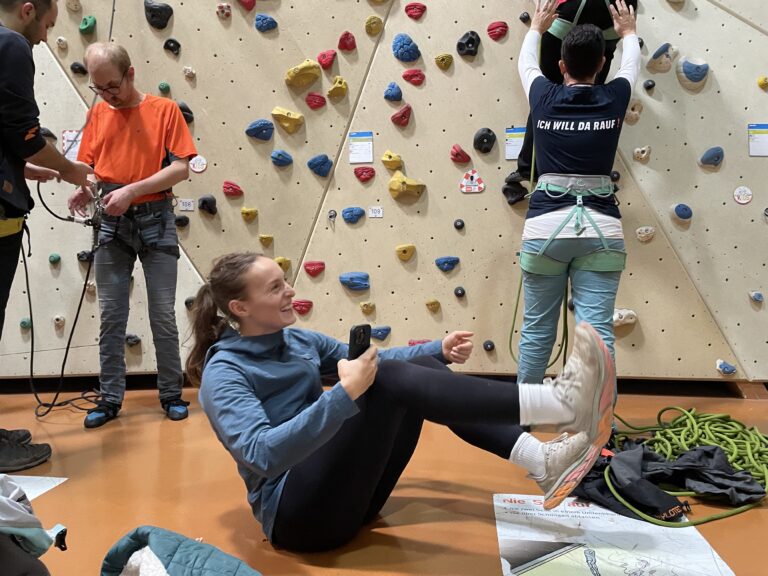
266 306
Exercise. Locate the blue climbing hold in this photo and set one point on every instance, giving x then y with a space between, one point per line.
713 157
725 368
683 212
356 281
447 263
756 297
663 49
393 93
405 49
261 129
281 158
265 23
352 214
320 165
694 72
380 332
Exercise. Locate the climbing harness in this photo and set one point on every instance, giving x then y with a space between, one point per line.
561 27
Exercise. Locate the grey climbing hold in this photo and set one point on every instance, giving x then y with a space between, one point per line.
182 221
525 17
682 212
265 23
484 140
85 256
615 176
78 68
332 214
712 157
352 214
157 13
641 42
756 296
692 73
132 340
458 224
25 324
320 165
489 346
447 263
260 129
459 292
649 85
189 117
468 44
173 46
725 368
356 281
189 302
281 158
393 93
405 49
54 258
207 203
46 133
380 332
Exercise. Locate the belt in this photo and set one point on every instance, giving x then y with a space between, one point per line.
576 185
10 226
145 208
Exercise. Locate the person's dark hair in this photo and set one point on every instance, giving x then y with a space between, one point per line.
41 6
583 50
210 312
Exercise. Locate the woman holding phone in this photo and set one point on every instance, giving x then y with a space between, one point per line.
319 465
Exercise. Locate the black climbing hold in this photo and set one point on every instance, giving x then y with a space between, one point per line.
468 44
189 116
85 256
78 68
458 224
182 221
649 85
489 346
207 204
484 140
641 42
459 292
571 307
525 17
173 46
616 188
189 302
615 176
157 14
514 192
132 340
46 133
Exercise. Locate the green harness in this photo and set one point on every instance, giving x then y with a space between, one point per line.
561 27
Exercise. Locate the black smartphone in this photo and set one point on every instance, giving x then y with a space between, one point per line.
359 340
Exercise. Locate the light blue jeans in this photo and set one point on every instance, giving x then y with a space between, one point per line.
593 293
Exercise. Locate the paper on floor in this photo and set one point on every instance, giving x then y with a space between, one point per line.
35 486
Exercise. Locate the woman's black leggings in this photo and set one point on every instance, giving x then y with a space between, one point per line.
331 495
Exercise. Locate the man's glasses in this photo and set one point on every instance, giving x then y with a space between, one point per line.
111 90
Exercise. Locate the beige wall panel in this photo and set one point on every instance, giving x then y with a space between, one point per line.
752 12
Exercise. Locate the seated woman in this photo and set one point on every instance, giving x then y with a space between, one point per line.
319 465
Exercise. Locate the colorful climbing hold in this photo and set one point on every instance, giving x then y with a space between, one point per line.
497 30
261 129
320 165
78 68
649 85
524 17
380 332
373 25
353 214
25 324
682 212
231 189
281 158
326 58
393 93
368 308
405 49
692 73
157 14
247 4
661 61
472 183
458 224
633 112
173 46
756 296
444 60
364 173
356 281
264 23
207 204
289 120
186 111
314 268
642 154
87 25
458 155
489 346
189 302
339 88
623 317
132 340
403 116
712 158
401 187
468 44
347 42
414 76
249 214
392 160
433 305
645 233
266 240
484 140
459 292
189 72
223 10
405 251
762 82
181 220
283 262
415 10
198 164
61 43
725 368
54 258
303 75
302 307
315 100
164 87
447 263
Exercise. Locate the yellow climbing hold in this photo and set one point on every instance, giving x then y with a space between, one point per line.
290 121
763 82
266 240
303 75
444 61
392 160
405 251
284 263
401 186
249 214
368 308
433 305
373 25
339 88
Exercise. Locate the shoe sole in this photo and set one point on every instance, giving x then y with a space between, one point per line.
26 466
599 432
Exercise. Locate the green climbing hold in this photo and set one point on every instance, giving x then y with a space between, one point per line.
26 323
88 25
164 87
54 258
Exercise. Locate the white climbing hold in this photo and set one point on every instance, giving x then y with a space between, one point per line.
642 154
224 10
198 164
632 116
692 73
645 233
623 317
661 61
58 321
61 43
189 72
756 296
725 368
472 183
742 195
91 287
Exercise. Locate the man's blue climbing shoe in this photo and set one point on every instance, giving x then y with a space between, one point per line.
176 409
103 413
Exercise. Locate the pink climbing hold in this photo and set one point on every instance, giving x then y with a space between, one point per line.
314 268
497 30
326 58
365 173
417 342
414 76
302 307
347 42
247 4
315 100
231 189
415 10
458 155
403 116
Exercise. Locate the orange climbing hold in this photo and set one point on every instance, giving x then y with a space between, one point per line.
403 116
314 268
231 189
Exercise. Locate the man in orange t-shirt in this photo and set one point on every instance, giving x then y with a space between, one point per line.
139 146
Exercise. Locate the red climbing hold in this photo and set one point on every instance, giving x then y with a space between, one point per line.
497 30
417 342
302 307
365 173
231 189
326 58
247 4
403 116
347 42
314 268
458 155
315 100
414 76
415 10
